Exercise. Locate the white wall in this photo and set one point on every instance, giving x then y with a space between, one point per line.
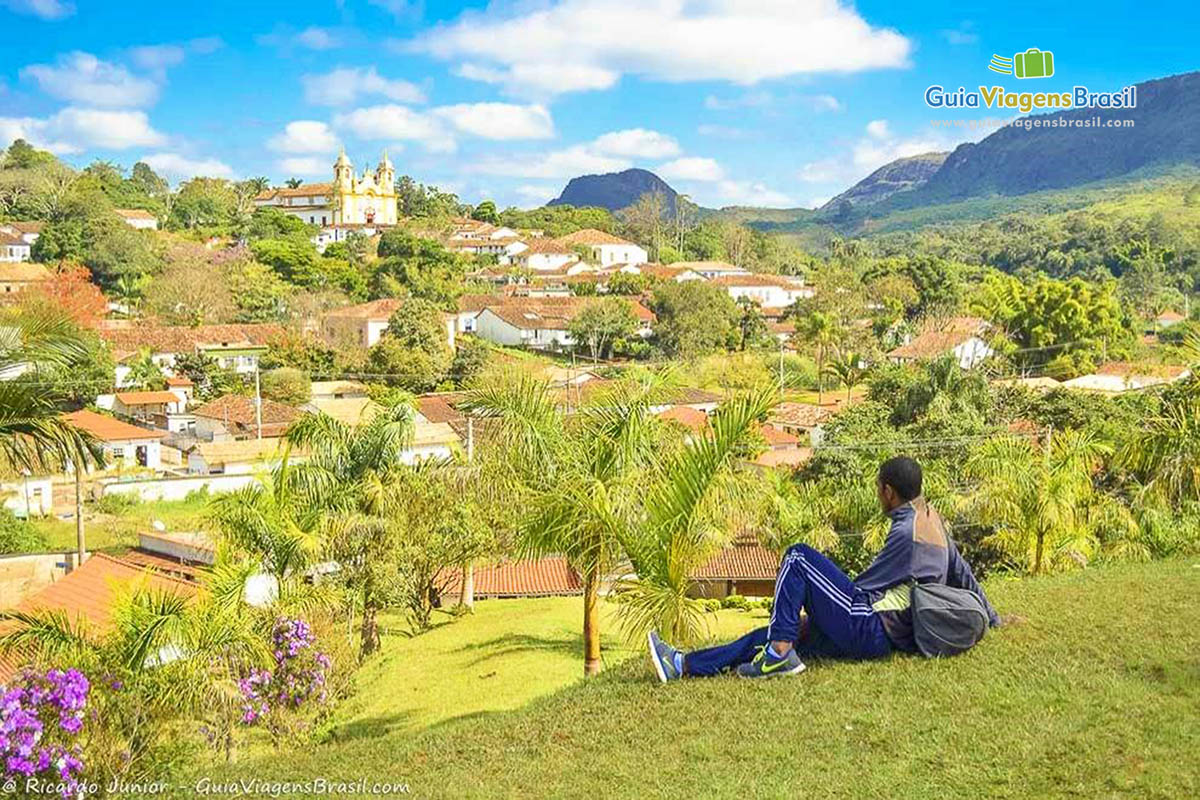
128 450
176 488
609 254
547 261
971 352
41 496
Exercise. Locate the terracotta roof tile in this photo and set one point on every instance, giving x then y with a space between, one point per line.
544 577
134 213
776 437
147 398
303 190
745 559
24 270
800 415
108 429
932 344
686 416
374 310
590 236
240 409
183 338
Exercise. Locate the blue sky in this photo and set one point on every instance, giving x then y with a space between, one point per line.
763 102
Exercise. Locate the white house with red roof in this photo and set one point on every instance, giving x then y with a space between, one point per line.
606 250
124 445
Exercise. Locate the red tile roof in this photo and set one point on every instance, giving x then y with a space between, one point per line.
550 313
87 595
304 190
931 344
543 577
799 415
590 236
778 438
744 559
134 213
686 416
147 398
374 310
1127 369
240 409
787 457
108 429
184 338
179 381
753 279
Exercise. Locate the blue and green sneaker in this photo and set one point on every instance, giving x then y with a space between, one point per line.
664 658
768 665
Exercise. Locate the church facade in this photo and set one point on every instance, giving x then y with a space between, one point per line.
349 200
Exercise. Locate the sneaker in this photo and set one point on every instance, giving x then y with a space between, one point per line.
767 665
662 655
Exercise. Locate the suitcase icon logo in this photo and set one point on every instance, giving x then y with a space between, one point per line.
1033 63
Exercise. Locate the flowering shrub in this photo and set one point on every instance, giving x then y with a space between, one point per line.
41 717
299 675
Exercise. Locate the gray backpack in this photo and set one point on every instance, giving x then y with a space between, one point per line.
946 621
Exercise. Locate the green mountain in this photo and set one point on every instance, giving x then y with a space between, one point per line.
901 175
614 190
1015 160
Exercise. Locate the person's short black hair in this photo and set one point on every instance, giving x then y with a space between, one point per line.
902 474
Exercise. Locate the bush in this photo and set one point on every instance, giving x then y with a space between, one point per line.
287 385
18 536
735 601
711 604
117 504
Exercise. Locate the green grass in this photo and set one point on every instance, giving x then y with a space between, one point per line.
120 530
1095 695
502 656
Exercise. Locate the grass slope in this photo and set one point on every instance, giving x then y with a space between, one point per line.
1096 695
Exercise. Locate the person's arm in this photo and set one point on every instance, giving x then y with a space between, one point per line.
960 576
893 564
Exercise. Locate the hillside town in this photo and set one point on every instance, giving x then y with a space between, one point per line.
297 468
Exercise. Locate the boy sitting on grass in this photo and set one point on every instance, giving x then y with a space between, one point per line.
868 617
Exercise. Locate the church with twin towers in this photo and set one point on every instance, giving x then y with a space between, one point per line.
350 199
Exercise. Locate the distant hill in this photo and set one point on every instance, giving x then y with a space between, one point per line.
614 190
901 175
1014 161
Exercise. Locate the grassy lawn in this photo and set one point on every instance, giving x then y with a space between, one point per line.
1095 695
120 530
505 654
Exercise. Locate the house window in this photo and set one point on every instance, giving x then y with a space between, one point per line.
118 452
322 219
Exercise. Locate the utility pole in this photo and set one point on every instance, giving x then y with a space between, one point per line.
781 368
80 545
467 595
257 401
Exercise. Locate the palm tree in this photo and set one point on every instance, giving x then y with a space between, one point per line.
820 329
1165 452
259 184
686 516
340 480
177 657
577 474
267 521
1040 498
294 183
33 433
144 374
847 371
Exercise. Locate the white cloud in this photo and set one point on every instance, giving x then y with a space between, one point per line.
344 85
566 163
436 128
824 102
637 143
304 136
315 38
305 165
963 34
82 78
174 165
878 129
157 56
46 9
743 41
877 147
499 120
74 130
691 169
537 195
750 193
754 99
538 80
394 122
